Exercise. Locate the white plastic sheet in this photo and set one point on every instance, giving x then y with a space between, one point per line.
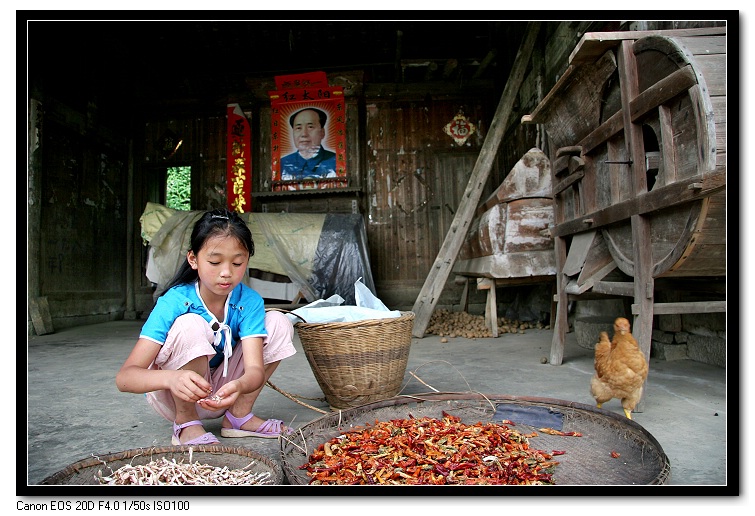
331 309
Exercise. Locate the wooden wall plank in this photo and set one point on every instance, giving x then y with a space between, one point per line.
428 296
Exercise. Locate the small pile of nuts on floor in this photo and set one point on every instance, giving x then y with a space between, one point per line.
446 323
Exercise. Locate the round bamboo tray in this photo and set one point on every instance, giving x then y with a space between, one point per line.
85 471
358 362
612 450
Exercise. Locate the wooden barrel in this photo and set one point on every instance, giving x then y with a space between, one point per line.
684 136
508 237
680 104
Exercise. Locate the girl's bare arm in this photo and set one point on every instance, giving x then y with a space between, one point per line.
252 379
254 367
134 375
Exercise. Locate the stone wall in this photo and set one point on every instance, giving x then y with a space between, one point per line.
703 339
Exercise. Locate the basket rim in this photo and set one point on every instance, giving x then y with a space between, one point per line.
405 316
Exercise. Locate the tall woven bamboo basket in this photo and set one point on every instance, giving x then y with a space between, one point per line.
358 362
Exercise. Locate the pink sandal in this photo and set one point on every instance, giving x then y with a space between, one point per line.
268 429
206 438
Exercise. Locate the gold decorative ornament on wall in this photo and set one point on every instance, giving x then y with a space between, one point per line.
460 128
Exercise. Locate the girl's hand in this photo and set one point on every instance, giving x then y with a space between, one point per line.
189 385
224 398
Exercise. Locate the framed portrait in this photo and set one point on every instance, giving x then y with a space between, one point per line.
308 134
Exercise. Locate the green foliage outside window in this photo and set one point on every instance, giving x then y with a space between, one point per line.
178 188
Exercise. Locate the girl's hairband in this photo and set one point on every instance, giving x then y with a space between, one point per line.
219 217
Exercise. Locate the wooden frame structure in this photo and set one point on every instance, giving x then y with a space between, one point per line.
638 129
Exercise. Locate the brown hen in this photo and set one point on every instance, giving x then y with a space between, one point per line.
620 368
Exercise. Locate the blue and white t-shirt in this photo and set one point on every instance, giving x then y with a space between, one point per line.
244 316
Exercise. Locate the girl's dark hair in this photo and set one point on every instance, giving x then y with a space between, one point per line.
220 222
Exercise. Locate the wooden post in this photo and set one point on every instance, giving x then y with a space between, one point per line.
464 301
438 275
561 323
34 208
491 305
39 310
130 313
642 329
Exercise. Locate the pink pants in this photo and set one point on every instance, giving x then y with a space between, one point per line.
191 337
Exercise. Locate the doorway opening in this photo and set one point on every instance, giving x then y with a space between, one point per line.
178 188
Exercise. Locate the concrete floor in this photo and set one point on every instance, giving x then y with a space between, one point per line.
74 409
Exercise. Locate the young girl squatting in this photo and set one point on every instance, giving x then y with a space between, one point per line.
208 346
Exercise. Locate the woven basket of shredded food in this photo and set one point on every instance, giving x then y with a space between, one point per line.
473 439
172 466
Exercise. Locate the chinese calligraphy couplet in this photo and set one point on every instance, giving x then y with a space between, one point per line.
239 164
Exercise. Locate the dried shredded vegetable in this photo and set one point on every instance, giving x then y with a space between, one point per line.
167 472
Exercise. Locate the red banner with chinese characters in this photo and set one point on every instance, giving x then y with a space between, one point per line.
308 133
301 80
239 161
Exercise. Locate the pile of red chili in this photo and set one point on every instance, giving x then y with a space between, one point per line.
430 451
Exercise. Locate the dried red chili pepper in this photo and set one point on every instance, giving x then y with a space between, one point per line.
551 431
430 451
